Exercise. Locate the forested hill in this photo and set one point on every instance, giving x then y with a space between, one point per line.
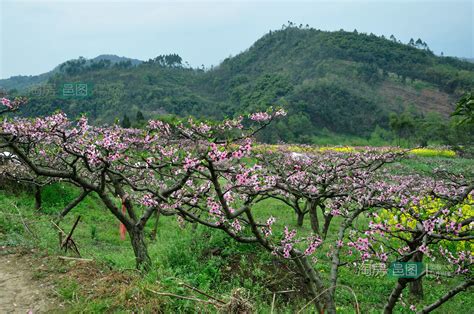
330 82
24 82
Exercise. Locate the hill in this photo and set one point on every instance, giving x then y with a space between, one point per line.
24 82
330 82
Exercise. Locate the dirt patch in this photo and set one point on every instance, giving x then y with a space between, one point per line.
33 282
425 100
20 290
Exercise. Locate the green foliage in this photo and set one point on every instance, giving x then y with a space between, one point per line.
125 123
171 60
334 81
465 109
403 125
140 117
56 196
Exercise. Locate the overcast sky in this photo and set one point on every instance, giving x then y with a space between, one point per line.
38 35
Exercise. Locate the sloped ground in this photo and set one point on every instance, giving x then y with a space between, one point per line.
34 282
425 100
20 291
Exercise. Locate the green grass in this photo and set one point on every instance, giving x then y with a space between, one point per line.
206 259
427 165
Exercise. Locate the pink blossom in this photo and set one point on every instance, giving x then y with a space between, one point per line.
7 103
260 116
148 201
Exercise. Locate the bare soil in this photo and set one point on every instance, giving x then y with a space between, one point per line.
31 282
425 100
20 290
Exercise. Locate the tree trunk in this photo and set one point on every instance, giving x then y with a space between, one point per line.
71 205
301 215
327 222
313 216
134 229
416 286
395 295
140 249
323 301
38 201
155 228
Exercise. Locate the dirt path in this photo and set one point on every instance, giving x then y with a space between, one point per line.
20 292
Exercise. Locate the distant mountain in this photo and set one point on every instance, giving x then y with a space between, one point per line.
23 82
330 82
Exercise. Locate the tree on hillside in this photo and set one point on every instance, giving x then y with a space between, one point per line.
73 67
101 64
123 64
140 116
431 127
419 43
125 122
465 109
403 125
169 60
369 73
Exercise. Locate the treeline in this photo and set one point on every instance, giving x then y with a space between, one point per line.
81 65
170 60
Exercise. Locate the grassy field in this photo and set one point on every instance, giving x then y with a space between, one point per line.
202 258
